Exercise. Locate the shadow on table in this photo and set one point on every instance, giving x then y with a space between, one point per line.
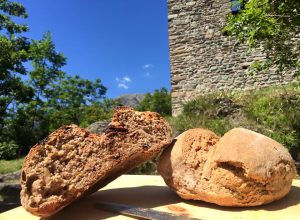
154 196
144 196
292 199
10 196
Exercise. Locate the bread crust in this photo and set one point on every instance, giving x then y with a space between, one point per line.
131 138
243 168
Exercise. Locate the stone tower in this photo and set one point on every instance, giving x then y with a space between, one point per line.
203 60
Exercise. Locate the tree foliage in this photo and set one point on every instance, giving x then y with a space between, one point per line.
159 101
272 25
72 98
36 95
14 49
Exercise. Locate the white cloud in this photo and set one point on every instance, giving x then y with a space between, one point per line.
122 85
147 74
147 70
123 82
147 66
126 79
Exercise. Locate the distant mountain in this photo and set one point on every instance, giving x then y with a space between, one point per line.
132 100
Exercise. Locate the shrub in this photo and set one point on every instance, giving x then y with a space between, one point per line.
277 111
9 150
209 111
273 111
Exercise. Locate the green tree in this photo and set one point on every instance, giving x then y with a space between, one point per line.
159 101
33 117
97 111
71 100
30 109
72 97
47 64
23 112
14 50
272 24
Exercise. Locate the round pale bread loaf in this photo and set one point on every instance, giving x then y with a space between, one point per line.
243 168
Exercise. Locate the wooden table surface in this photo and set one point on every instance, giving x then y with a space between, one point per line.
151 192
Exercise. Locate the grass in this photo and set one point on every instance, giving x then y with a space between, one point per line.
8 166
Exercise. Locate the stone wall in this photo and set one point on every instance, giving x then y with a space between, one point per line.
202 59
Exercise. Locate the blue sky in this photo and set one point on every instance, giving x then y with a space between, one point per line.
122 42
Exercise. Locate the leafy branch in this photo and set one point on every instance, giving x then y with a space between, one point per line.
273 26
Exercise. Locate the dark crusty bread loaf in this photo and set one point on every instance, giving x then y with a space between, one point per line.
242 168
72 162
